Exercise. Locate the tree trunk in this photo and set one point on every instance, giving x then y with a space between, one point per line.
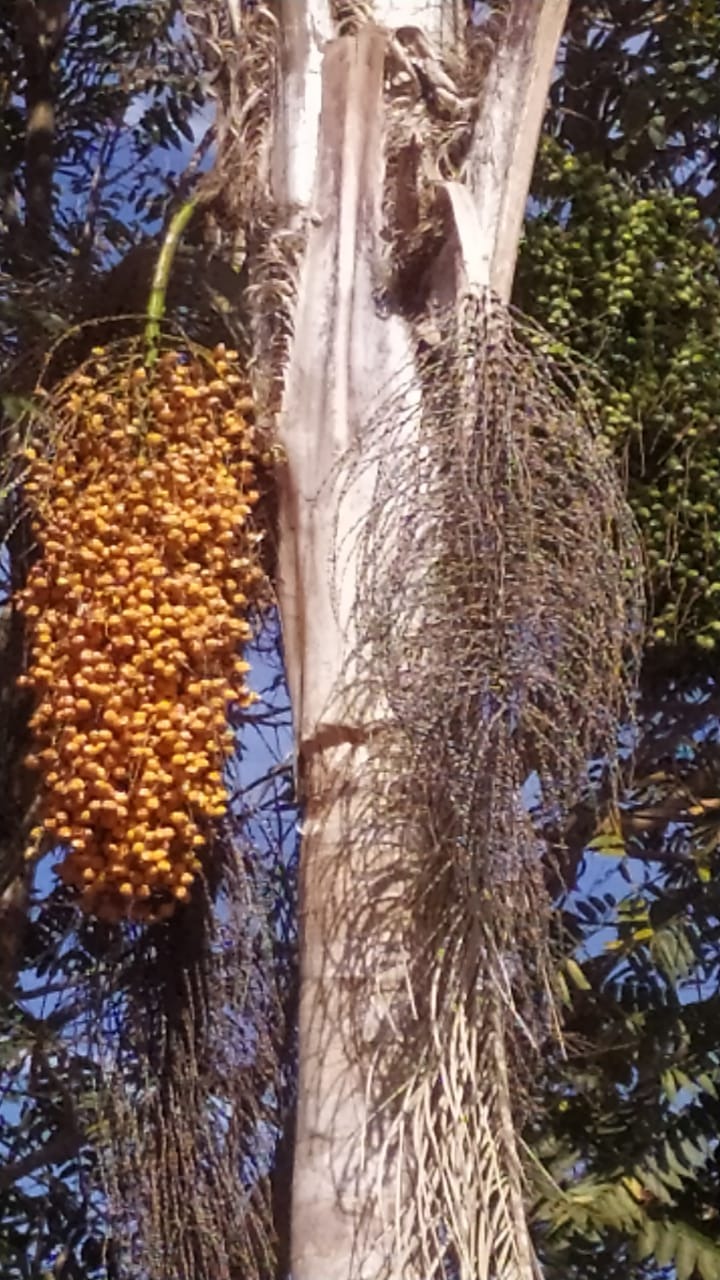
328 171
41 26
339 359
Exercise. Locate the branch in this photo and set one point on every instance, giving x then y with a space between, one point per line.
61 1147
13 917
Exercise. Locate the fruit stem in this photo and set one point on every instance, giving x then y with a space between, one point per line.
158 289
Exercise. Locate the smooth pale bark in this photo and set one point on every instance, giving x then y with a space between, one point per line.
306 27
507 131
343 353
327 169
442 21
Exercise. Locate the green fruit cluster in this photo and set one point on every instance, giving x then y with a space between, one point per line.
628 279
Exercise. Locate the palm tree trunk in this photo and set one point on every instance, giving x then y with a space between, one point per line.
328 168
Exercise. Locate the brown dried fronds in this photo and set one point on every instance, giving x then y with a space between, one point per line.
242 66
500 619
245 66
350 15
270 300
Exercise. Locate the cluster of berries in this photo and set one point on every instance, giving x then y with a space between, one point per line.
136 611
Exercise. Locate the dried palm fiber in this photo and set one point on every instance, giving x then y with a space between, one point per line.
243 53
187 1021
499 615
241 69
141 489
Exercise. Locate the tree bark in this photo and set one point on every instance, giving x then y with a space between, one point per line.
327 170
342 353
41 24
507 131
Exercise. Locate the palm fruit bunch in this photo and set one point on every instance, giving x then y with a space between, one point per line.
136 612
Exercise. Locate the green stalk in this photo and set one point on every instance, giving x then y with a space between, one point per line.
161 275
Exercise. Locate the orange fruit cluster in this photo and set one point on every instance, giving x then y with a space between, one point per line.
136 611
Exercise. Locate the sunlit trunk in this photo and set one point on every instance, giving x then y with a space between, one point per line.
327 169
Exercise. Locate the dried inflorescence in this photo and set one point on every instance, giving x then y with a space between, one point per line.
499 621
499 539
191 1094
135 612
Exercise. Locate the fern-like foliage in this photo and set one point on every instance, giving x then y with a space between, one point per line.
627 1158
